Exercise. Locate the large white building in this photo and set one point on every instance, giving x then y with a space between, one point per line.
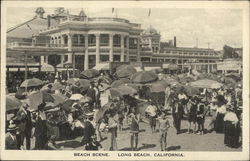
88 41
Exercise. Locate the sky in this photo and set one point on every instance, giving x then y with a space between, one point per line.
205 27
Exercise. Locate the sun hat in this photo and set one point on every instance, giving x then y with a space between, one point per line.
12 127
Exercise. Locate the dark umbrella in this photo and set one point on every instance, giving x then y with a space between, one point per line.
90 73
157 87
144 77
12 103
122 90
125 71
119 82
32 83
38 98
83 83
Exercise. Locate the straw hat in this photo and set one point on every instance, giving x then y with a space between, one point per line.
12 127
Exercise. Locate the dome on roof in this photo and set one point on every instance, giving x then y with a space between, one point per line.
150 31
39 12
82 13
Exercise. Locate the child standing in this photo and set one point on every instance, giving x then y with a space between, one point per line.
163 125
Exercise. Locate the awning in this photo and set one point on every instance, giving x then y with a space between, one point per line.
170 66
102 66
151 68
22 69
138 69
45 68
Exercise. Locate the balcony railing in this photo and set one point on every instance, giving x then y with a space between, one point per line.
30 45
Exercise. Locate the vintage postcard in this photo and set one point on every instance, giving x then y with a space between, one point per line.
126 80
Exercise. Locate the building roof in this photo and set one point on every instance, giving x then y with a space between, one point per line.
150 31
30 27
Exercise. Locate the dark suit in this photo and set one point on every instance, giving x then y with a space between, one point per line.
88 131
40 134
10 143
177 112
24 123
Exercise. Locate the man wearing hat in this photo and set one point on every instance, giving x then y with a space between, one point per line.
10 138
24 124
88 131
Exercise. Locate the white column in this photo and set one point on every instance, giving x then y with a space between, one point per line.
42 59
122 48
111 54
70 48
86 56
62 59
127 49
138 50
97 36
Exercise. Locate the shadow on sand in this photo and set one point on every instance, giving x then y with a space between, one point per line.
173 148
70 144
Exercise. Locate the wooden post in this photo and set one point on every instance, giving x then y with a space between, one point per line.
74 64
26 66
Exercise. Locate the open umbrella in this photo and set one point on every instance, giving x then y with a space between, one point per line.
76 96
102 111
12 103
119 82
157 87
206 83
59 99
90 73
122 90
32 83
190 91
144 77
125 71
38 98
84 83
55 86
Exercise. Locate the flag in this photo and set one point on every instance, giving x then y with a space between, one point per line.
28 26
149 12
113 10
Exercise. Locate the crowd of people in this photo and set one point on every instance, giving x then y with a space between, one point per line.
110 115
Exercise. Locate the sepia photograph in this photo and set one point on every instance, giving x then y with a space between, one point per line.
129 79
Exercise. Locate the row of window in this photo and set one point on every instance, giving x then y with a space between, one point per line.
79 40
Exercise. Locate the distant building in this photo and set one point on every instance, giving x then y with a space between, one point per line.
90 41
230 52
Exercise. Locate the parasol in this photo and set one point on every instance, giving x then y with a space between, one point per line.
59 99
119 82
125 71
90 73
32 83
38 98
206 83
144 77
12 103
